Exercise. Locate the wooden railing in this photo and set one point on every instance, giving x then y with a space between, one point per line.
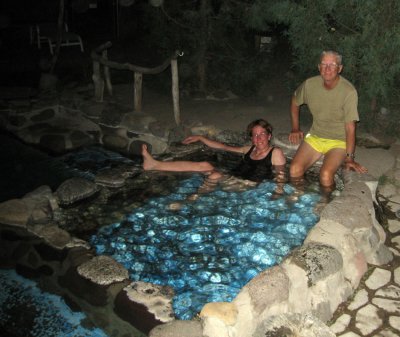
100 60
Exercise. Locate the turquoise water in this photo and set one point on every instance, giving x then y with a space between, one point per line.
25 310
209 248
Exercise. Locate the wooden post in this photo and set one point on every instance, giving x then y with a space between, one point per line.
98 82
138 92
175 90
107 73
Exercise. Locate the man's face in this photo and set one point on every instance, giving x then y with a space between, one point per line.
329 68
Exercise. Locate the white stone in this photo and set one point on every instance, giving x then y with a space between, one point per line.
397 276
394 226
394 251
394 322
378 278
389 305
396 241
389 292
393 205
359 300
367 319
386 333
341 323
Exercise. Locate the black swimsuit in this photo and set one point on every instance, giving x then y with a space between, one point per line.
255 170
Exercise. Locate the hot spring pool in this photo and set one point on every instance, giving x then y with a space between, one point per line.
207 249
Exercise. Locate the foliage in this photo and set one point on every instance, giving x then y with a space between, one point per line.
213 33
365 32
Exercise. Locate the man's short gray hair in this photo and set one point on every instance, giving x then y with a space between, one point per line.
332 52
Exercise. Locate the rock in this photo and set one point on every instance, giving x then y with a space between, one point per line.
53 235
14 212
54 143
79 138
137 122
103 270
318 261
74 190
145 305
268 288
178 329
115 142
349 211
299 325
225 312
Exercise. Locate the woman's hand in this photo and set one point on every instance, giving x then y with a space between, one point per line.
193 139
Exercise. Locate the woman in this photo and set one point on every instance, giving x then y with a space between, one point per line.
260 160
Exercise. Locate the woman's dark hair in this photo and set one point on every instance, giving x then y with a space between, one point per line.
259 122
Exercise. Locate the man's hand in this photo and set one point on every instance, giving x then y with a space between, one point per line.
296 136
354 166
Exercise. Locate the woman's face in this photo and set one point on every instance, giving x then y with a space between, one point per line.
259 136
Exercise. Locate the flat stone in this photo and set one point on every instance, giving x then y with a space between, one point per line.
53 235
394 226
397 276
394 322
75 189
359 300
367 319
389 292
341 324
394 251
156 298
178 329
389 305
14 212
396 242
378 278
103 270
386 333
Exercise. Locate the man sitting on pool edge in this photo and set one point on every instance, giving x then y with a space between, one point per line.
332 101
260 160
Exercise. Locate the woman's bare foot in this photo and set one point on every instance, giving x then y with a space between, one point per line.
149 163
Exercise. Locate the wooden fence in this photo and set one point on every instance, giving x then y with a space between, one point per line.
101 62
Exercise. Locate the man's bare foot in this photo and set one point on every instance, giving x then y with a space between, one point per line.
149 163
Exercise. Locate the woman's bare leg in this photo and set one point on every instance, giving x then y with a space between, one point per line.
151 164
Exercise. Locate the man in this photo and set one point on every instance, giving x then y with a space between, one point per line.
332 101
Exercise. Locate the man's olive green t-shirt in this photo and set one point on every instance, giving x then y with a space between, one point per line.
331 109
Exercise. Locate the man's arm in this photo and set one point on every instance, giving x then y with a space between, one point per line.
349 162
296 135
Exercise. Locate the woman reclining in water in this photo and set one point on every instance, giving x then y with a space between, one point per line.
260 160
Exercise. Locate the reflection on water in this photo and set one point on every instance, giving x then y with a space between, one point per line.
209 247
26 311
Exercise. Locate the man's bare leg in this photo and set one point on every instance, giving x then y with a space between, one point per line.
304 158
332 161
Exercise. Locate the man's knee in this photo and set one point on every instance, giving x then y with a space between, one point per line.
296 170
326 177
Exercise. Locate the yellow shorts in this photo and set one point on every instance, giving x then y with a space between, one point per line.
323 145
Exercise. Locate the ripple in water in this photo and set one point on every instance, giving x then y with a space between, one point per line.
209 248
